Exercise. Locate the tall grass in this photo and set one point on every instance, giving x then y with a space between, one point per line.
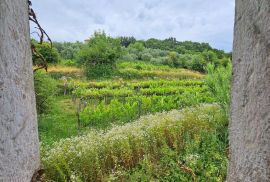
219 82
97 155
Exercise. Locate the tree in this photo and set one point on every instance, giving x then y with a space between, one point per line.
138 46
198 63
19 145
50 54
250 106
126 41
68 50
172 59
99 55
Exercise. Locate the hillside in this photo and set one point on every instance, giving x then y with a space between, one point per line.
134 113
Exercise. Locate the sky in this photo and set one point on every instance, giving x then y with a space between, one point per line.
208 21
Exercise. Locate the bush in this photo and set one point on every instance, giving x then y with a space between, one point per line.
159 60
137 46
45 88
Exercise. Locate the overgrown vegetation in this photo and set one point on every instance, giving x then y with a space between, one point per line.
173 142
219 81
101 51
50 54
45 89
121 109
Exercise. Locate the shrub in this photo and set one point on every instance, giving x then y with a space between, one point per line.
159 60
138 46
172 59
45 88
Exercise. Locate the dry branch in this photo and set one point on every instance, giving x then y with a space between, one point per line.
41 33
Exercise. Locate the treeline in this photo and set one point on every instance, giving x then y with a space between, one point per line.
99 54
171 44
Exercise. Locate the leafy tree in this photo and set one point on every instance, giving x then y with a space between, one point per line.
138 46
68 50
146 57
173 57
198 63
126 41
49 53
153 43
99 55
210 56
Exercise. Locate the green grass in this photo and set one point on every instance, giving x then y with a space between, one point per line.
60 123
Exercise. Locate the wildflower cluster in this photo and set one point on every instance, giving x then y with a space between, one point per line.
97 155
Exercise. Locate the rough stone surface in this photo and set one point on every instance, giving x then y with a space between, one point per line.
250 109
19 146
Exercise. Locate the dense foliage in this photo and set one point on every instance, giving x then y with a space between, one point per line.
50 54
68 50
195 61
99 55
45 89
100 52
